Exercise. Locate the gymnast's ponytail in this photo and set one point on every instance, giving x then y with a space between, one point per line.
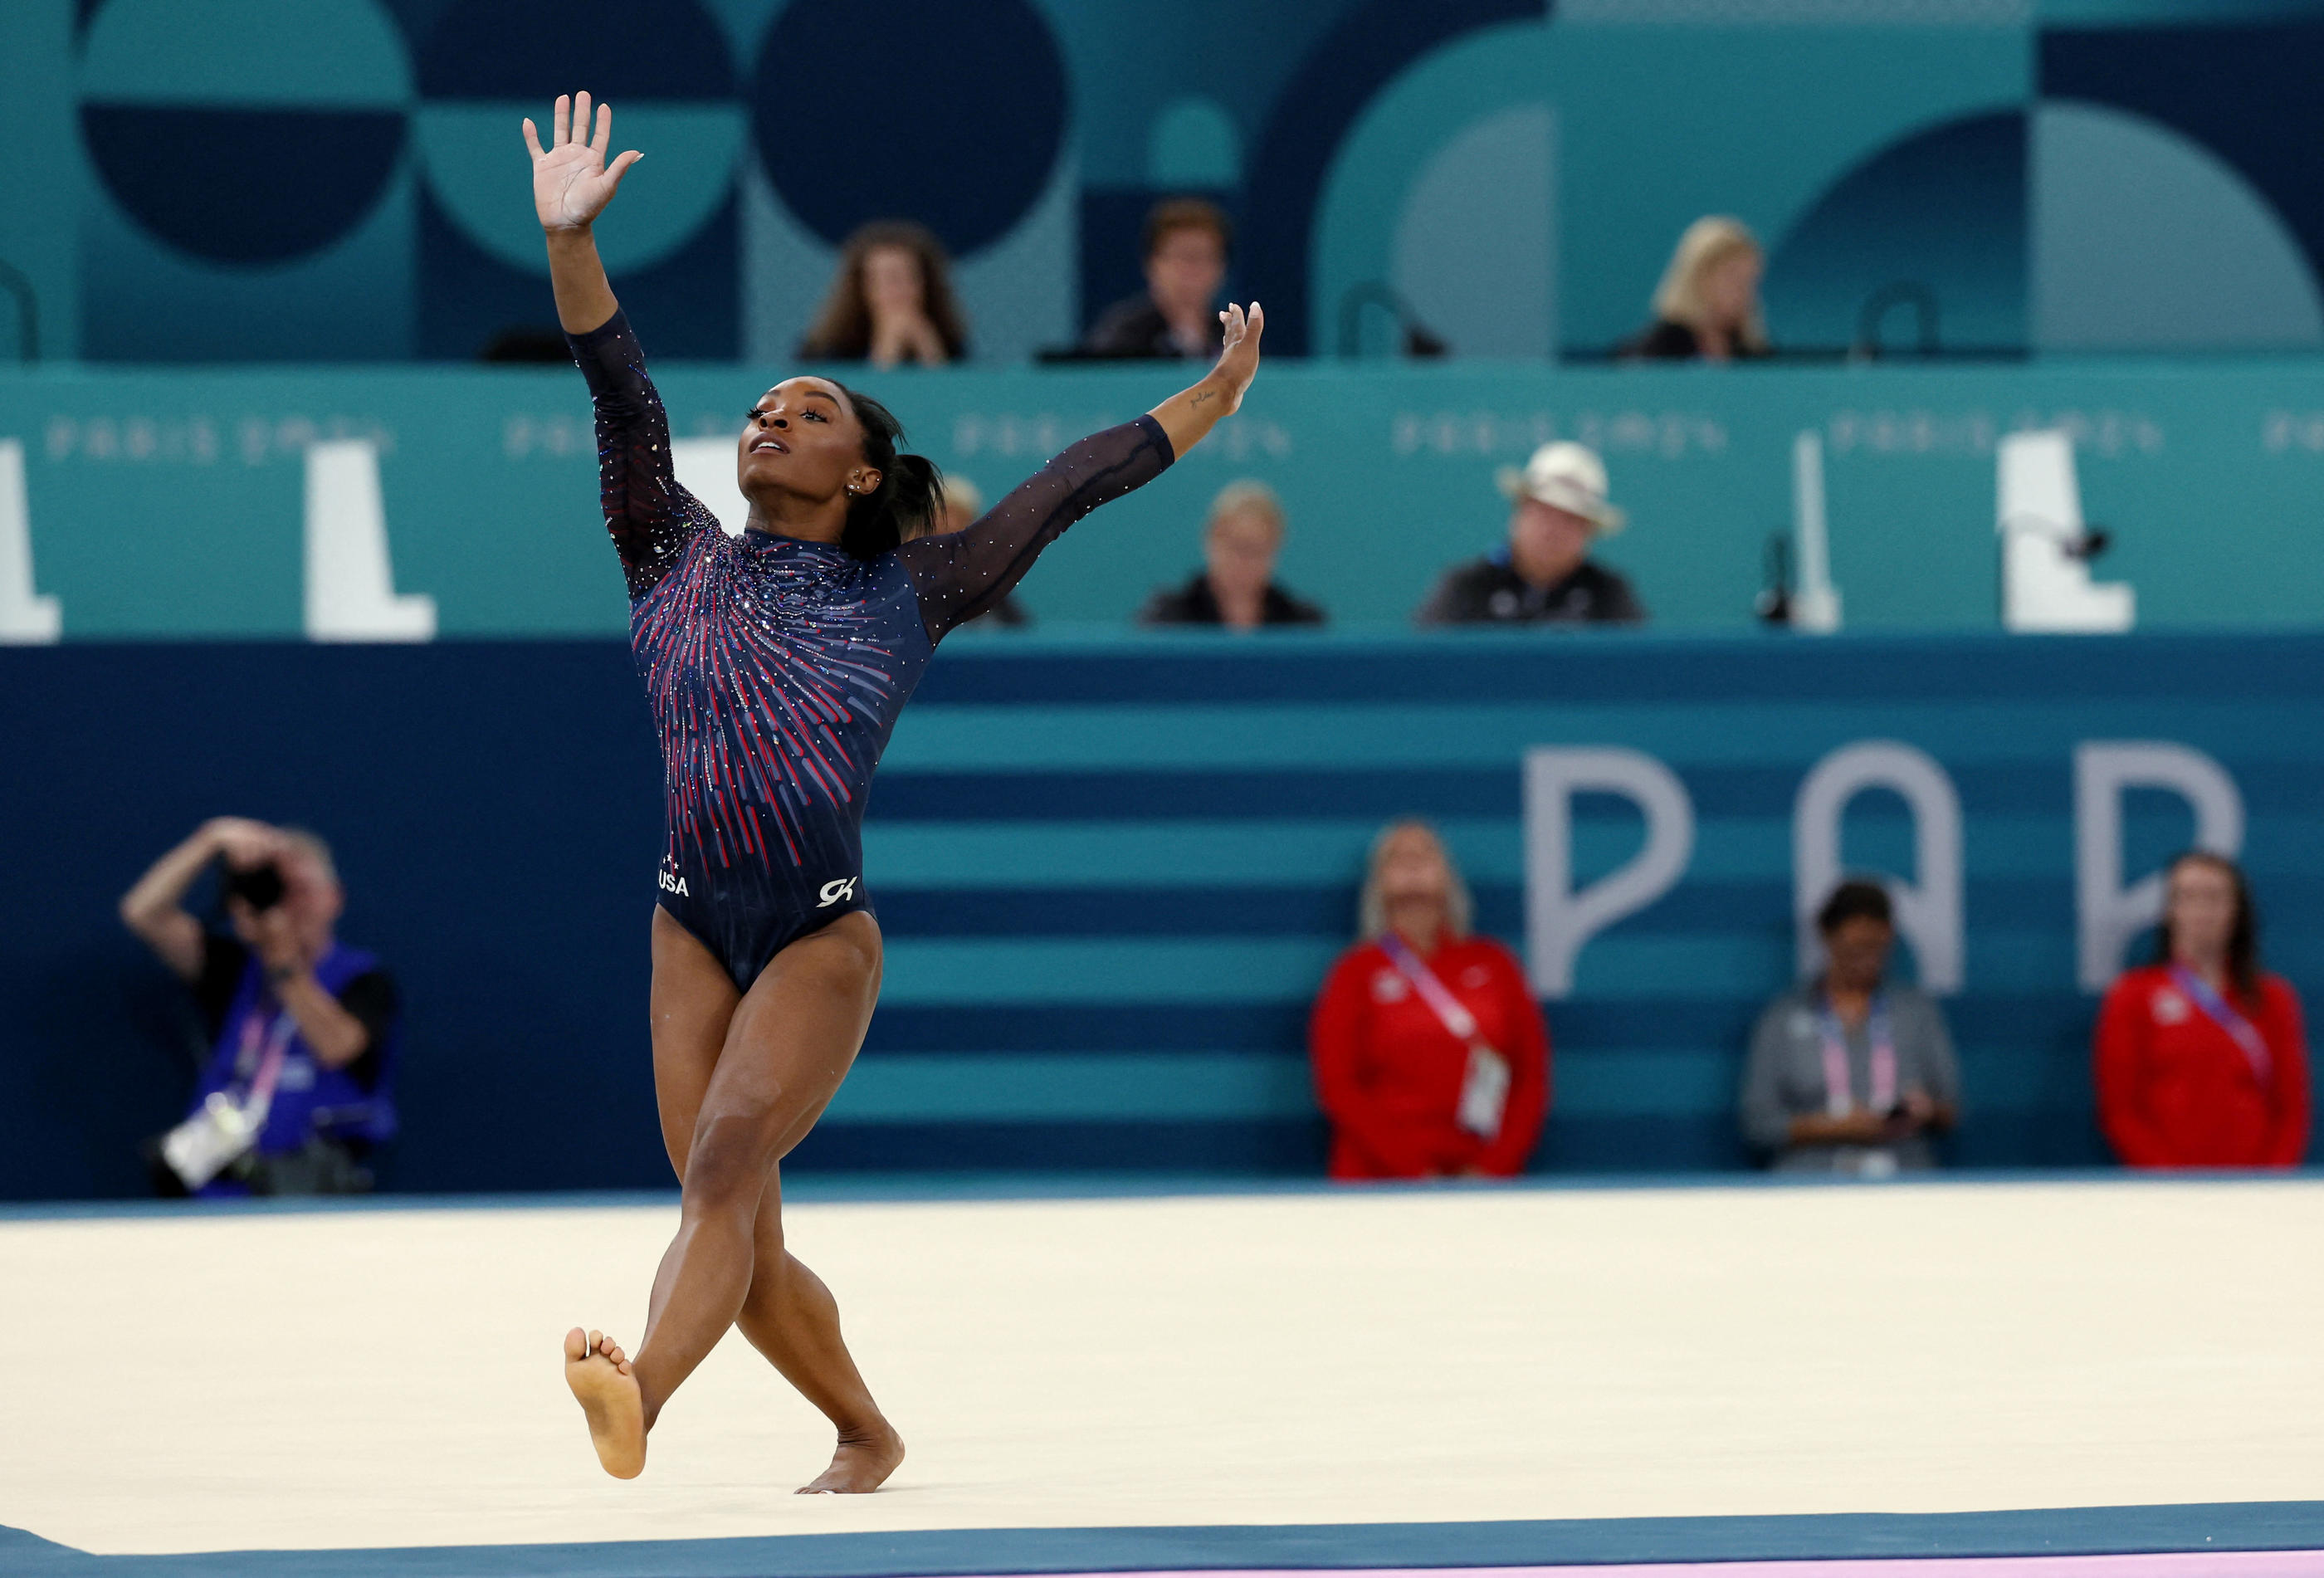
910 492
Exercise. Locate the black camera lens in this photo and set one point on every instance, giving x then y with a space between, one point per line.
260 887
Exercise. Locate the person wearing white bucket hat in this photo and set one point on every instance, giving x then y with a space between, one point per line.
1557 510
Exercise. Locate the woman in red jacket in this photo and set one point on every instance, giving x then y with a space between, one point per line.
1430 1057
2201 1061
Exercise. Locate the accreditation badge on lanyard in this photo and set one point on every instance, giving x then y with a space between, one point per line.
2222 1013
1485 1087
1839 1088
222 1127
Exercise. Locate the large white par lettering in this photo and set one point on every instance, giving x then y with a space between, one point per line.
351 594
2108 915
1558 919
25 614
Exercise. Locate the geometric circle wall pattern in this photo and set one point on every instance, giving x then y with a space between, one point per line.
665 69
1941 211
616 49
964 151
474 157
2145 239
242 186
245 131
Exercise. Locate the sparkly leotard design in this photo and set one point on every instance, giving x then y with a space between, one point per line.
776 667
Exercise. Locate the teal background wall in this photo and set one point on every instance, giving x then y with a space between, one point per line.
169 504
41 189
334 180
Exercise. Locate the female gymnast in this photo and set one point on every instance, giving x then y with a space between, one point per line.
775 664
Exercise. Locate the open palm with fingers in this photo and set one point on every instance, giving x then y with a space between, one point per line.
571 181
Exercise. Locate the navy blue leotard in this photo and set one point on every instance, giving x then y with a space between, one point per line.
776 667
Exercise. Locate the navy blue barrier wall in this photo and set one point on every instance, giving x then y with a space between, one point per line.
1111 874
491 809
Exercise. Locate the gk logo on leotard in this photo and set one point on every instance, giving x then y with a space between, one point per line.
835 890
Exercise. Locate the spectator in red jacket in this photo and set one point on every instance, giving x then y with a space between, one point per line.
1430 1057
2202 1060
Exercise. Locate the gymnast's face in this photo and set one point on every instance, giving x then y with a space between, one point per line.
802 439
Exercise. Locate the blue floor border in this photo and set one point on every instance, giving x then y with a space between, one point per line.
2242 1526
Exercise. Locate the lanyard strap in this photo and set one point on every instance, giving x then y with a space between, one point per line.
1839 1089
2223 1013
1485 1087
1447 1008
276 1030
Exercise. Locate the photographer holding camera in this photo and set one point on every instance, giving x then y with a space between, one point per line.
297 1086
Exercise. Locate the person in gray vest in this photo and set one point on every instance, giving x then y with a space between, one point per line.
1850 1073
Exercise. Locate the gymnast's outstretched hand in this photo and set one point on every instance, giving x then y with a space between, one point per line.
571 182
571 185
1238 363
1188 416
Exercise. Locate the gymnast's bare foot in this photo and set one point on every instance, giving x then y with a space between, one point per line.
862 1464
598 1372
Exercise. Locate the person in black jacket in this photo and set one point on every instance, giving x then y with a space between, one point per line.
1176 315
1558 508
1236 587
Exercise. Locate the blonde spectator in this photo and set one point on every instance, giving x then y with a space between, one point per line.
1431 1057
1236 587
1707 308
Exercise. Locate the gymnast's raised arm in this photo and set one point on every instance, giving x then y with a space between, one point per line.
650 518
1188 416
962 574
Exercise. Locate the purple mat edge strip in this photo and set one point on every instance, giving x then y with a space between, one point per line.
2145 1565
